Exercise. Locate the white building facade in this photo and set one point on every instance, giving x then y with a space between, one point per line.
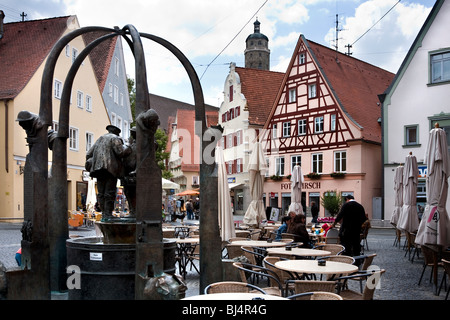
418 98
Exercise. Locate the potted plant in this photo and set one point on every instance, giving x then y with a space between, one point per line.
313 175
331 200
276 178
337 174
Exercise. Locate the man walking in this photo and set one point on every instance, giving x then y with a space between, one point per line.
352 215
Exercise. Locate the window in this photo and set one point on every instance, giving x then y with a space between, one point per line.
333 122
231 111
268 166
88 103
58 89
318 124
237 111
67 50
73 139
229 141
286 129
231 93
411 135
317 159
110 91
121 99
301 127
340 161
126 130
301 58
295 160
274 130
74 54
238 137
312 92
119 123
292 95
55 126
230 167
440 67
238 165
279 166
113 119
89 140
116 66
116 94
80 97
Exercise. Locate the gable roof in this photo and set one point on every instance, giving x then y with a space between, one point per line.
101 56
356 85
260 88
166 107
24 48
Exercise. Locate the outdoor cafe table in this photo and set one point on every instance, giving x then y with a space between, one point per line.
312 267
259 243
185 247
298 252
235 296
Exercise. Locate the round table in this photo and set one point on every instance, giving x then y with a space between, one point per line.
235 296
300 252
258 243
312 266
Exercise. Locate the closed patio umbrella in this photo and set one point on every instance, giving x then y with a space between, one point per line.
167 184
257 169
409 219
91 197
398 193
296 190
434 226
225 215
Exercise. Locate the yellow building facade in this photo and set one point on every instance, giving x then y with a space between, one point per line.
88 115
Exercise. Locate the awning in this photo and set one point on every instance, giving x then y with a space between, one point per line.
234 185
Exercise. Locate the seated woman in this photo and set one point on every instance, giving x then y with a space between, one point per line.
283 228
298 228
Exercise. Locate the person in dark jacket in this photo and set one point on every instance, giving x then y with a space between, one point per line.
298 228
352 215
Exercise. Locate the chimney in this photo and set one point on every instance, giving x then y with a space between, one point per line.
2 16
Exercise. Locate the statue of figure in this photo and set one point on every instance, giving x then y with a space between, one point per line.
31 123
129 178
104 162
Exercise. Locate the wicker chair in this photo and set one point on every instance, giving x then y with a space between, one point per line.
335 249
429 257
367 262
247 271
232 286
283 276
446 265
373 279
332 236
233 251
340 258
302 286
316 296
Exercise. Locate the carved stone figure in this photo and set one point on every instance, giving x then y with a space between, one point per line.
104 162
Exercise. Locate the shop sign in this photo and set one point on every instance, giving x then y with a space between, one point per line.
423 171
232 180
306 185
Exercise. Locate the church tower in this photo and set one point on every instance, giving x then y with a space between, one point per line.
257 53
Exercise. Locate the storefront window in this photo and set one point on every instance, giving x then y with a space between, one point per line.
81 195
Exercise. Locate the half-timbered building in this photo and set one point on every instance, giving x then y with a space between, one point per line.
326 118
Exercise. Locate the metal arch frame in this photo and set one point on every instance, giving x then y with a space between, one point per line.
40 216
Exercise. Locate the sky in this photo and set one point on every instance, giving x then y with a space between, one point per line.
212 33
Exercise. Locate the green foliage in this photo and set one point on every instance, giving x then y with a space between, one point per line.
331 200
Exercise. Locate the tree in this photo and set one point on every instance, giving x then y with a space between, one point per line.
331 200
160 136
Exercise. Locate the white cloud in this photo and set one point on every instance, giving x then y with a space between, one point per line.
386 44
